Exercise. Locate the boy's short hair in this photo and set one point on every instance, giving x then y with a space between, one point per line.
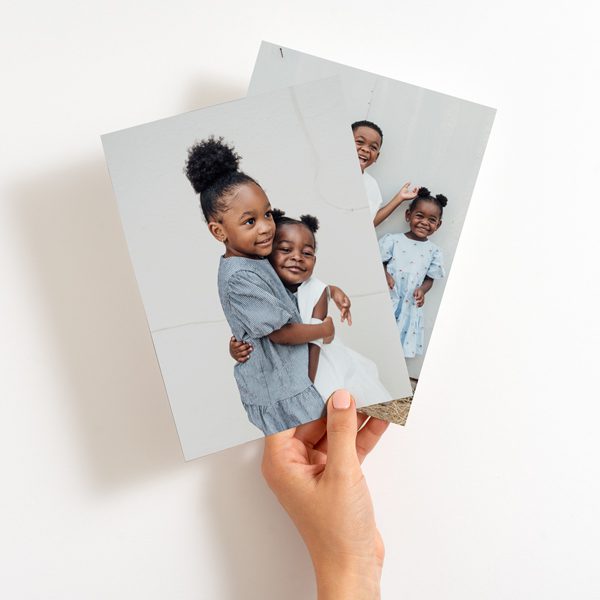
369 124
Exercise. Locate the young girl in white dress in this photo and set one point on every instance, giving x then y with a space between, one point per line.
411 262
331 366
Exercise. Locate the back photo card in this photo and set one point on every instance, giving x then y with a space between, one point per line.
419 152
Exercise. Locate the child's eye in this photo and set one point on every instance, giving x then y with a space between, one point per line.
249 222
309 254
269 214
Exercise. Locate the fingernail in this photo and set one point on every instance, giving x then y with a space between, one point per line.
341 399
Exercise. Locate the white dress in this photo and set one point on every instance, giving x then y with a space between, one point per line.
340 366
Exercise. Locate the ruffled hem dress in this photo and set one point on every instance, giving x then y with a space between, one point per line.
409 262
340 366
274 386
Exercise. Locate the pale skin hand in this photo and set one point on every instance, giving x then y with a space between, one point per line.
314 470
405 193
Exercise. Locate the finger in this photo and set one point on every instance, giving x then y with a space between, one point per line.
310 434
341 434
368 436
349 318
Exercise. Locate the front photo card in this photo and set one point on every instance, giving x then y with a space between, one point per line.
257 263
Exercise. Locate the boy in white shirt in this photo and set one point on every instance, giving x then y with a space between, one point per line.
368 138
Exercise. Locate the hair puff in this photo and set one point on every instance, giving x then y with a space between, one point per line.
208 161
311 222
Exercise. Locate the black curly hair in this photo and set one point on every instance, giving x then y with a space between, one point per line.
310 222
212 168
369 124
425 195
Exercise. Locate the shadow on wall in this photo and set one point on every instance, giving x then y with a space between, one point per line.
261 553
71 231
78 255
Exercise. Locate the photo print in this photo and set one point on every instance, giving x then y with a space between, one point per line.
419 153
243 222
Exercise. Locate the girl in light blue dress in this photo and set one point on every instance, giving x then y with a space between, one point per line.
274 388
411 262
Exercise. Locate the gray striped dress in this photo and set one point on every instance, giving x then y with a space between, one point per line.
273 383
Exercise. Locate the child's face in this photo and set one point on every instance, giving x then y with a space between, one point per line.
293 256
424 219
368 145
246 227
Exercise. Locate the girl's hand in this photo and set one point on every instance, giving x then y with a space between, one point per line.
406 193
314 470
419 296
329 330
342 302
239 351
390 280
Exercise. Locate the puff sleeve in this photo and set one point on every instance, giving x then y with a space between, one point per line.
255 304
436 266
386 247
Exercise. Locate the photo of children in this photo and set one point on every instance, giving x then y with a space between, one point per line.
429 138
331 365
202 198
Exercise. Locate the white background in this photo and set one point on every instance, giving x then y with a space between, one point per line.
492 489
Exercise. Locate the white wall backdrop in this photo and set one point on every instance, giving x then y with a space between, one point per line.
491 491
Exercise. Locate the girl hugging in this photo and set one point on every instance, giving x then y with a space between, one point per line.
331 366
411 263
274 386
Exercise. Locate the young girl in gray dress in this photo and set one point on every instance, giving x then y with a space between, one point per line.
274 387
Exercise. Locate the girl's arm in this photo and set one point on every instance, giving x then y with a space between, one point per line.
342 302
299 333
405 193
319 312
420 292
390 280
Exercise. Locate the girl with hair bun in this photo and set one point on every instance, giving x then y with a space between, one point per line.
274 387
332 366
411 263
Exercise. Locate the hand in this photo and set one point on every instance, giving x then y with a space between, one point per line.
419 296
329 330
342 302
314 470
239 351
406 193
390 280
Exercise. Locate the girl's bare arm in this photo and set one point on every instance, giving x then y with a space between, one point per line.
319 312
299 333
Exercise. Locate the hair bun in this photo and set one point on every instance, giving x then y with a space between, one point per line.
278 214
208 161
442 199
423 193
311 222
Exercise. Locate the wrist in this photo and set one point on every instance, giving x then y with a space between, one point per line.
348 579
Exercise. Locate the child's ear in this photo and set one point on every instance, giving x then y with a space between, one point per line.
376 157
217 231
439 225
407 214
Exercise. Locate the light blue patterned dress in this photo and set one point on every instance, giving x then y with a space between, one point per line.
274 385
409 262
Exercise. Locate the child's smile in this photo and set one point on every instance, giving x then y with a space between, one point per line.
246 227
424 219
368 145
293 256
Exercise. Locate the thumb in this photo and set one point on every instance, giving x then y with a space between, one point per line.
341 434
